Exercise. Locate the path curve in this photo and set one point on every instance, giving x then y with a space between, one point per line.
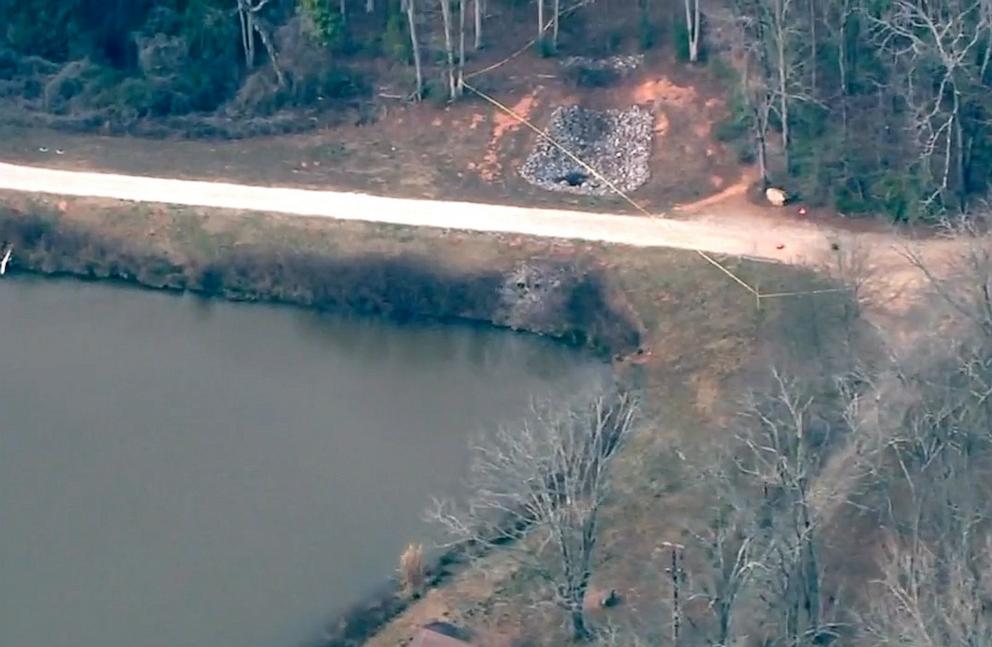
787 243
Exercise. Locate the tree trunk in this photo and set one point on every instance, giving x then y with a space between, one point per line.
784 107
477 5
449 47
762 158
692 19
812 45
270 49
540 22
580 630
959 155
554 33
411 17
344 10
248 38
369 6
461 47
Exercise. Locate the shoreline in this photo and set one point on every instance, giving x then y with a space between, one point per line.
565 300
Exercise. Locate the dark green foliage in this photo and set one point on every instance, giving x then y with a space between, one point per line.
546 47
396 38
591 77
648 33
327 26
613 41
680 36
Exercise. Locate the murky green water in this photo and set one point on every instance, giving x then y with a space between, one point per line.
183 473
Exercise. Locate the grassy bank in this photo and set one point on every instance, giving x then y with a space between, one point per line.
253 257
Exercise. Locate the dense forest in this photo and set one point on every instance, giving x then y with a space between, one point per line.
866 105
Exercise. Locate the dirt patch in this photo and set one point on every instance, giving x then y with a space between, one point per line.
504 124
663 91
661 124
738 190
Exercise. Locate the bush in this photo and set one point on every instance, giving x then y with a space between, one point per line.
396 39
613 41
70 81
591 77
680 33
737 126
545 47
647 33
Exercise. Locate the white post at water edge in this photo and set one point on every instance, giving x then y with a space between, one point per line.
6 259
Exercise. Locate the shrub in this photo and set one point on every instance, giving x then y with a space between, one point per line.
396 39
545 47
613 41
680 33
647 33
591 77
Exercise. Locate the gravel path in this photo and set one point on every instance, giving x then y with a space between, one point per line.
805 244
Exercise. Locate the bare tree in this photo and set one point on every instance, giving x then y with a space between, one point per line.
556 7
692 27
537 494
411 18
941 51
250 26
756 85
449 48
925 422
783 451
730 552
932 447
933 594
966 284
461 47
477 11
540 22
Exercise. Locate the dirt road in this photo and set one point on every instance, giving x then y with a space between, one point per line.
791 243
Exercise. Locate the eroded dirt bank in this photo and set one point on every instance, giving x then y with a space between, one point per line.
567 299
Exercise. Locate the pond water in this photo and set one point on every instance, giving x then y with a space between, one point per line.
177 472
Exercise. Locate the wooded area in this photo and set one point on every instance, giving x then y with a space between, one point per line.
869 106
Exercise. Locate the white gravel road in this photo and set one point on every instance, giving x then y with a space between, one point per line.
803 243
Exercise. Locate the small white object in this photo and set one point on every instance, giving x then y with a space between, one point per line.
775 196
43 149
6 259
59 151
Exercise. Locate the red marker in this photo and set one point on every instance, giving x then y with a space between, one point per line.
779 246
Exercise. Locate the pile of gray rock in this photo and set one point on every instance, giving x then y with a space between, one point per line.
616 143
622 64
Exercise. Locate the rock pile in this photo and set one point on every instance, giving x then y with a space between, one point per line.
622 65
617 143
